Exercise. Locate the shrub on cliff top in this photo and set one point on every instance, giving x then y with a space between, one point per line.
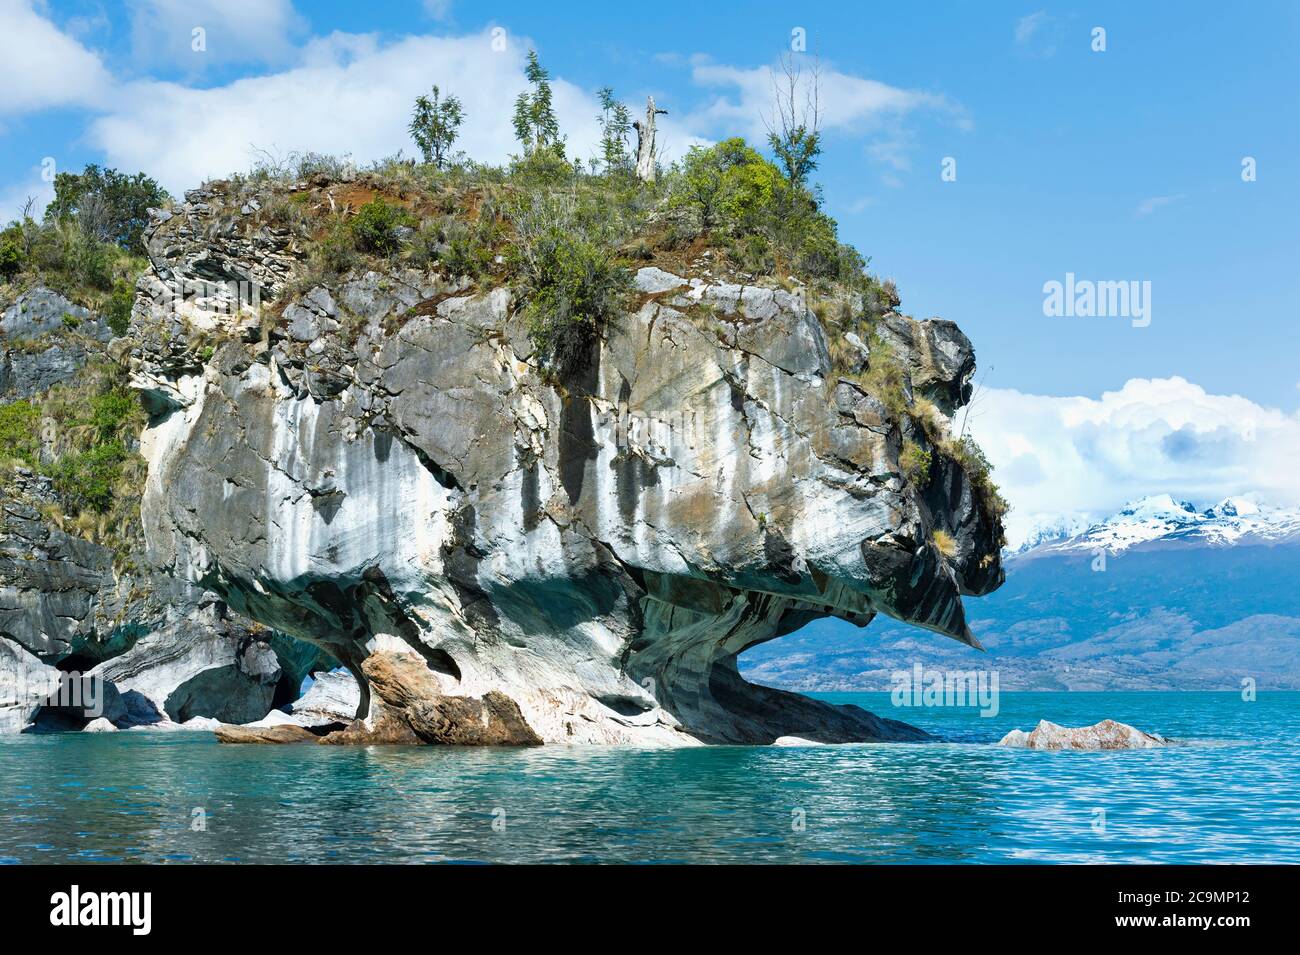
731 189
11 259
570 277
374 228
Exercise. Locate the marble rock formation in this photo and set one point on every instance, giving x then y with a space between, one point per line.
385 469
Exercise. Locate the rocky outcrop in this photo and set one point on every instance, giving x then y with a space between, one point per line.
155 650
409 693
1107 734
939 358
45 340
385 467
159 650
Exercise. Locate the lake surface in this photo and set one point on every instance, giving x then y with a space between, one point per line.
1229 794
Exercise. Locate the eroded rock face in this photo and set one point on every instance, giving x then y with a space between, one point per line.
1107 734
159 649
387 469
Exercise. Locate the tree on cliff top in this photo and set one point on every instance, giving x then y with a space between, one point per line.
110 206
615 124
434 126
534 121
794 126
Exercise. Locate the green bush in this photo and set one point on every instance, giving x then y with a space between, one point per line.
19 431
467 252
915 462
11 259
111 411
573 283
374 228
117 310
109 206
87 480
336 252
967 452
735 191
754 254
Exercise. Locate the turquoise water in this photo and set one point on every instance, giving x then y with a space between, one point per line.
1229 795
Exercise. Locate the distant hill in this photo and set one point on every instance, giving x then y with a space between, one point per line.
1182 599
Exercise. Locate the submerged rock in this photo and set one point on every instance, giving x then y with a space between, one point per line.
1107 734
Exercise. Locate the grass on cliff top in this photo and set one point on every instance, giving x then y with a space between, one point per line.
725 211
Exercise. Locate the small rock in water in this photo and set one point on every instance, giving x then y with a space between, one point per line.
1107 734
283 733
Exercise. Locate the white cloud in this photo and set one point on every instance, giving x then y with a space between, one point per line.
234 31
347 93
43 67
847 102
891 152
1063 455
351 93
1026 27
1148 206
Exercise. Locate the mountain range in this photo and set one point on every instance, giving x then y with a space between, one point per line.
1161 595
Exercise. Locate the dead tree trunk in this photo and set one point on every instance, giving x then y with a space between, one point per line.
645 141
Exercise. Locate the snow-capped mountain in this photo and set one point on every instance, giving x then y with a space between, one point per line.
1162 521
1190 605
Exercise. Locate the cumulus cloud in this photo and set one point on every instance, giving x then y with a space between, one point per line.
347 93
351 93
41 66
1082 455
847 103
234 31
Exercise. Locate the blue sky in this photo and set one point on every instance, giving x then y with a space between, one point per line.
1117 165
